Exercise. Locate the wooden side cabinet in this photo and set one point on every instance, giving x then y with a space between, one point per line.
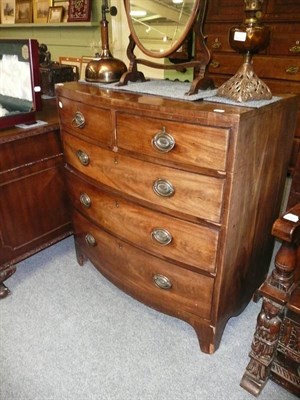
34 211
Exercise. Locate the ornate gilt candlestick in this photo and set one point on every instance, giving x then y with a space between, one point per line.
248 39
106 68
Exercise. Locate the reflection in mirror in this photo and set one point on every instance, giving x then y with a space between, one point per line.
161 26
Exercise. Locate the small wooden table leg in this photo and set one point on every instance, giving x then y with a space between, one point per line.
5 274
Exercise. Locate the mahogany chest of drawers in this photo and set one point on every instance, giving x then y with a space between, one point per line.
174 201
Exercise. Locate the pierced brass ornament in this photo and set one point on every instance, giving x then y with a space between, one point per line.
248 39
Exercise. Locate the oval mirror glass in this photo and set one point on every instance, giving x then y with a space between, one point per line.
159 27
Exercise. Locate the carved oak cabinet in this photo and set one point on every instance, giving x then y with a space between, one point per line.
275 348
174 201
34 208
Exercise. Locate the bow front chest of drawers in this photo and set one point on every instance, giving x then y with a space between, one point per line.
174 201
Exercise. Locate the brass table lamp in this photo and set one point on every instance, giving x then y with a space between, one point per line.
248 39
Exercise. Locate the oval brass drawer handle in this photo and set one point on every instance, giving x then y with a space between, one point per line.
216 44
90 240
292 70
162 281
85 200
295 49
163 188
214 64
163 141
83 157
161 236
78 121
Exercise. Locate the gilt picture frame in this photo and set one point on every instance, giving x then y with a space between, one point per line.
65 5
23 11
8 11
55 14
40 11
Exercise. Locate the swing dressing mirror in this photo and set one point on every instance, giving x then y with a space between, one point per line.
159 28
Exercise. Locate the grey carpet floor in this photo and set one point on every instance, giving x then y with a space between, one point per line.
66 333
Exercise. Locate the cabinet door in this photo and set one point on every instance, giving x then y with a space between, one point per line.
33 211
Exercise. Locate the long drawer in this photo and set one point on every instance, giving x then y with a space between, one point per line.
164 236
189 193
287 68
151 280
189 144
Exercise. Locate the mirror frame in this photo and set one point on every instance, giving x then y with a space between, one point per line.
176 45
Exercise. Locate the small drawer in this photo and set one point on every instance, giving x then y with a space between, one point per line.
193 194
218 37
85 120
285 39
225 64
188 144
167 237
219 42
149 279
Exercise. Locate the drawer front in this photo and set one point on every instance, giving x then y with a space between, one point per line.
225 63
164 236
85 120
149 279
187 144
285 42
287 68
29 150
33 208
218 41
189 193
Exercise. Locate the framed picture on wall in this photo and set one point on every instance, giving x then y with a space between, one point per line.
23 11
8 10
79 11
55 14
40 11
65 6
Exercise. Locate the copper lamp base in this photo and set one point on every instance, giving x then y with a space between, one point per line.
244 86
105 70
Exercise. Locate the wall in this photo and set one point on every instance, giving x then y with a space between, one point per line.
65 39
84 39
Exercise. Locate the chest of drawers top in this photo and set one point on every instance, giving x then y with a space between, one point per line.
194 135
